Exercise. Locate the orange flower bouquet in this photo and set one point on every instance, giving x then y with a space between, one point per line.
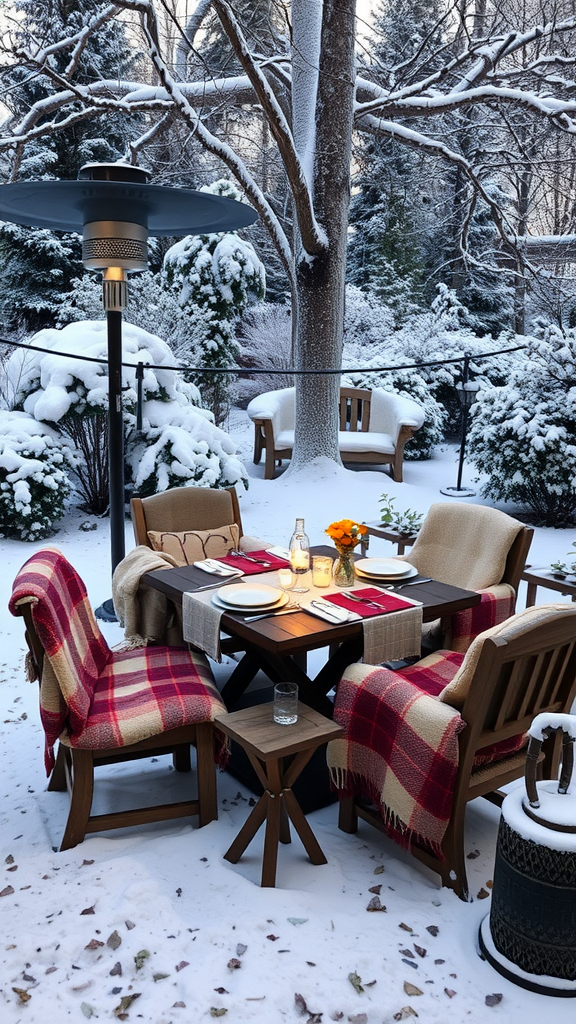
345 534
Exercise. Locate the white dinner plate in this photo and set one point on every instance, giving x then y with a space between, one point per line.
273 606
410 572
388 567
250 595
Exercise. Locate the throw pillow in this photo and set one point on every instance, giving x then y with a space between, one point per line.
195 545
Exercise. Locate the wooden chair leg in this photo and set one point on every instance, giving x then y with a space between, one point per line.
206 774
347 816
82 791
57 780
453 868
181 758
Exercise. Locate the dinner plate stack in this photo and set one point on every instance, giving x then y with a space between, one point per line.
247 597
388 569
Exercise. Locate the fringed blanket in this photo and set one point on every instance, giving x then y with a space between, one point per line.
92 697
400 750
146 614
496 605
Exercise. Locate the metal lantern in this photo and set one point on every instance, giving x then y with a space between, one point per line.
116 209
466 390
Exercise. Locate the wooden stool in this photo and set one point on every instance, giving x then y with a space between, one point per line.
266 743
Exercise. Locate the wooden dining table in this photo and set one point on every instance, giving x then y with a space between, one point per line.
278 645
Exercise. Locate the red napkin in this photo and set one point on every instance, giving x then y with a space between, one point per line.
387 602
251 568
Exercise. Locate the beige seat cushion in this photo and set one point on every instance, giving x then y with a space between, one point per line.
194 545
456 691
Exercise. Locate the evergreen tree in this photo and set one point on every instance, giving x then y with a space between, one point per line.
38 266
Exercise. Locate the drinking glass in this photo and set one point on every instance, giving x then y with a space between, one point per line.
285 703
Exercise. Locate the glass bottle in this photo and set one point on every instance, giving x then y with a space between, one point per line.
299 554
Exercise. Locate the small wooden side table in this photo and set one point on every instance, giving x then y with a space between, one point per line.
544 578
267 744
402 540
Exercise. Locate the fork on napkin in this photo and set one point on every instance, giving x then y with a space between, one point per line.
217 568
370 601
252 562
328 612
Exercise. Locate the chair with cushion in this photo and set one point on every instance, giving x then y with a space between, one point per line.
374 426
478 548
191 523
422 742
102 706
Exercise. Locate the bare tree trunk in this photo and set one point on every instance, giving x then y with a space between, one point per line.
320 279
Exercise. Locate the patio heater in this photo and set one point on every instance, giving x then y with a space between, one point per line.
466 390
116 209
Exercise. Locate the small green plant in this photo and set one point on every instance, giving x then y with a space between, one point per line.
565 568
403 522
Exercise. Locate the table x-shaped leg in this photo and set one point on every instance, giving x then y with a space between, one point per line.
276 805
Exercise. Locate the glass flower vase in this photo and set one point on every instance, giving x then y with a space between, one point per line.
344 569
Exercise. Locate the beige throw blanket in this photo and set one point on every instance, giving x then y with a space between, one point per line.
464 545
146 614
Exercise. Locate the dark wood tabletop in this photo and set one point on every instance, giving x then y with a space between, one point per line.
277 643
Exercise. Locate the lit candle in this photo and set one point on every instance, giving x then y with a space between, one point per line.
300 560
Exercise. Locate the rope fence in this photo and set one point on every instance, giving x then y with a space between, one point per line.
270 371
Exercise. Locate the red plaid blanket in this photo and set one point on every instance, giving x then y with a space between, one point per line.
96 698
400 749
496 605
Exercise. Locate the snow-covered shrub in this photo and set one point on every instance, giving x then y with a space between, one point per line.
184 448
523 435
265 338
34 485
72 395
219 273
370 341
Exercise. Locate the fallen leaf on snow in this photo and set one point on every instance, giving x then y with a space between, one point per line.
129 925
87 910
379 870
473 854
116 970
182 965
375 905
234 964
273 938
337 1015
412 990
376 888
493 999
140 959
482 895
114 940
221 991
300 1004
450 992
407 952
241 949
125 1004
405 1012
420 950
180 1004
22 994
433 929
159 977
8 891
218 1011
406 927
358 1018
94 944
87 1010
356 981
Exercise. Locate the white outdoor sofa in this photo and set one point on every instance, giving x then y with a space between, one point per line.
374 427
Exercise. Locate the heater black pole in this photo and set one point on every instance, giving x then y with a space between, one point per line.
115 437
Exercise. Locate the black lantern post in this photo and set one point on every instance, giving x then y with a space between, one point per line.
467 390
116 209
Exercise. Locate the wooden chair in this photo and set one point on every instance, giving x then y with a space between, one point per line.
102 706
373 427
185 508
512 673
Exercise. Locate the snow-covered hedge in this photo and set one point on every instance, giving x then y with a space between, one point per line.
34 465
523 435
71 395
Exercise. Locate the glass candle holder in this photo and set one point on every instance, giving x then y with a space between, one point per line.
321 570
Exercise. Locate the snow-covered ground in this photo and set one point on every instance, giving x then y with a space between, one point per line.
152 924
